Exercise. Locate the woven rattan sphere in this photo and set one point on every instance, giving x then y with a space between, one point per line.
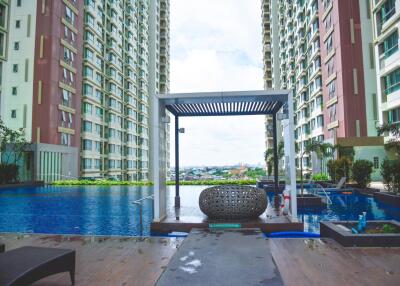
233 202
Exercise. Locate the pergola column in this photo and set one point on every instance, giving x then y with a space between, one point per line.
276 158
177 197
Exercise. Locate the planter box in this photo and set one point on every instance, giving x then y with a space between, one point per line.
309 200
348 239
388 198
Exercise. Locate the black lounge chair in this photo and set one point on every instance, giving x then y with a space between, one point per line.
25 265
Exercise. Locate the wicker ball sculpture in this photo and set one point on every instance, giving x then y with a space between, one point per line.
233 202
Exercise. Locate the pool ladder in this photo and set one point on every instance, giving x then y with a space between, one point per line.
320 187
139 203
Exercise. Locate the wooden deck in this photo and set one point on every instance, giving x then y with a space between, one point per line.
316 262
134 261
187 218
105 260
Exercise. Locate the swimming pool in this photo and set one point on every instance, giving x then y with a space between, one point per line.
94 210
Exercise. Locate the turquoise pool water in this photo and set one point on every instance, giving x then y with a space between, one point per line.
94 210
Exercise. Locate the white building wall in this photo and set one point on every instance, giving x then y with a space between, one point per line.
24 34
369 69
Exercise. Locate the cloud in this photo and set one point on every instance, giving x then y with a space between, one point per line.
216 46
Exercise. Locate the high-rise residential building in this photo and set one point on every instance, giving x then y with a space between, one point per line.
267 55
323 50
386 29
78 79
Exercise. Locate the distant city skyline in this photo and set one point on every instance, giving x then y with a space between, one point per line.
206 55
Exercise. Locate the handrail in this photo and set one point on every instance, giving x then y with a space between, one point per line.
139 202
328 199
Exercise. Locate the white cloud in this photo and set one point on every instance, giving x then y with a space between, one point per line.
216 46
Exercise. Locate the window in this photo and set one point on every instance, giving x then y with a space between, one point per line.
19 3
394 115
87 126
329 44
87 108
331 66
17 24
332 89
65 139
13 113
15 68
332 113
69 15
66 98
14 90
86 145
376 162
392 82
86 163
390 44
16 46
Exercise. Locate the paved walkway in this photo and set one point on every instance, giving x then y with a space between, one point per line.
230 257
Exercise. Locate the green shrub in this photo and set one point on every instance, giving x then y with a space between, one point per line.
100 183
8 173
214 182
339 168
391 175
361 172
135 183
320 177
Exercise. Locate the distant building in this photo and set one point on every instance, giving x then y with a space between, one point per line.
79 77
323 53
386 29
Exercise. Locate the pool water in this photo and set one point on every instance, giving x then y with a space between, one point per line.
347 207
94 210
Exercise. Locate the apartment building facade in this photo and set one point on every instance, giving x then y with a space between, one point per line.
325 58
386 29
78 82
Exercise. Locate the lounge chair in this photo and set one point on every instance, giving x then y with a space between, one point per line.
25 265
340 184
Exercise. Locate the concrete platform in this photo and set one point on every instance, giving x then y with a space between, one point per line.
225 257
187 218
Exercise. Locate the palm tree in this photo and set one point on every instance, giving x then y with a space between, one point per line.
320 149
394 142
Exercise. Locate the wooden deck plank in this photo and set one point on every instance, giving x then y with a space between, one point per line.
316 262
105 261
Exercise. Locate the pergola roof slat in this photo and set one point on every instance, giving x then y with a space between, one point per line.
225 103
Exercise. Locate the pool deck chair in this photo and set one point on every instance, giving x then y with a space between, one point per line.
25 265
340 184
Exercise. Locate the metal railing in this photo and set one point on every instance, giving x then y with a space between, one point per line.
139 203
320 187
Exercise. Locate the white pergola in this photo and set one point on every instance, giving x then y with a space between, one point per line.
261 102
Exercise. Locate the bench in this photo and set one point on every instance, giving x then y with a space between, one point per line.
25 265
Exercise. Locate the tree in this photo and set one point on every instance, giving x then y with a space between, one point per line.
394 142
13 146
320 149
269 156
361 172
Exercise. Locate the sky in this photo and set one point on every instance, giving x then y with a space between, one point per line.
216 45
